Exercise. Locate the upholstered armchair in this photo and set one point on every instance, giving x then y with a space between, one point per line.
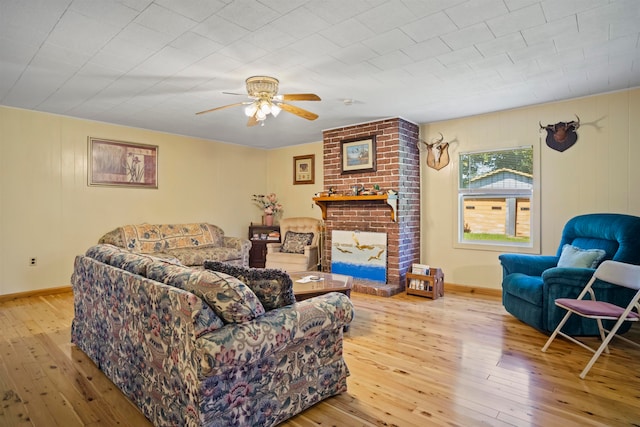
531 283
298 250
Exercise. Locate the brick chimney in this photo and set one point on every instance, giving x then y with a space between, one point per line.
398 169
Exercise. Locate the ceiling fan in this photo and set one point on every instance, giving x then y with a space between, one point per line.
263 92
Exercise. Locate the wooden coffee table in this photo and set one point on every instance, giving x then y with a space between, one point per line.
328 282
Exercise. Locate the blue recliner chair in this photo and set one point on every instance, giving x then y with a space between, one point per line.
531 283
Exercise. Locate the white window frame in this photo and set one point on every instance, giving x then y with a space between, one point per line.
533 246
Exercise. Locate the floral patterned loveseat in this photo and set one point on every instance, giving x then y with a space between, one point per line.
192 243
197 347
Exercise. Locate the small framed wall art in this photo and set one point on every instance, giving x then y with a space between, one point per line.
124 164
304 169
358 155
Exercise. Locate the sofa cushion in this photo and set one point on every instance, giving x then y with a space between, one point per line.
103 253
231 299
137 263
294 243
574 257
197 256
274 288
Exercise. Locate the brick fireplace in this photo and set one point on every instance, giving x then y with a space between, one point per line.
398 169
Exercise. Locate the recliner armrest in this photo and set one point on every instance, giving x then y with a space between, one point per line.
274 247
531 265
310 250
567 277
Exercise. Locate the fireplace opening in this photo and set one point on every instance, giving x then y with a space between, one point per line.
360 254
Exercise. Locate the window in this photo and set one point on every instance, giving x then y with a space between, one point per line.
495 196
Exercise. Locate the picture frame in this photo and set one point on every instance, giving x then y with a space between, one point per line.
358 155
304 169
122 164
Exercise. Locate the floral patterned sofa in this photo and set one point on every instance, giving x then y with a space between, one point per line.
192 244
198 347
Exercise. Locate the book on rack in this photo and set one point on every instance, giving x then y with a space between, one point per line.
418 269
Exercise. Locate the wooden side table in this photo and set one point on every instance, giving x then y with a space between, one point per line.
259 236
432 284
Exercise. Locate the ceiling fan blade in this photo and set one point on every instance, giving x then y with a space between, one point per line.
252 121
298 97
298 111
220 108
234 93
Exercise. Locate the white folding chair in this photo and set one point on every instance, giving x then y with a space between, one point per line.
616 273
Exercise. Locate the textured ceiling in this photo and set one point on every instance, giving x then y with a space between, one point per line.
153 64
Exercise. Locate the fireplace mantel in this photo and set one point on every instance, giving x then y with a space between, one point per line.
389 199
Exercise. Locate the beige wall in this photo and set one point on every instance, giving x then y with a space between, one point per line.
48 211
296 199
599 173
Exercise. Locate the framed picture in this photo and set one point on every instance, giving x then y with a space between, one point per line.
359 155
304 169
126 164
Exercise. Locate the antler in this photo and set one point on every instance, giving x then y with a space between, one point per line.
547 127
436 143
575 124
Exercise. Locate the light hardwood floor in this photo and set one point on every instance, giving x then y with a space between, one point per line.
458 361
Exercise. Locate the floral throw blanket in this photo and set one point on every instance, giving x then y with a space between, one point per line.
150 238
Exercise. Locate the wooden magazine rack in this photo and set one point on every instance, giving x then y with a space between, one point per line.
432 284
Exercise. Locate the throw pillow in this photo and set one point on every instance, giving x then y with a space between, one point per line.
294 243
572 256
231 299
274 288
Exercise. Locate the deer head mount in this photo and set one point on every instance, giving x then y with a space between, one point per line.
562 135
437 153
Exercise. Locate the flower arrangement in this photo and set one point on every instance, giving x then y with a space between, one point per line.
268 203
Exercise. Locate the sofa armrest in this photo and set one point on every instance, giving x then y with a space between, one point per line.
245 343
236 243
239 243
531 265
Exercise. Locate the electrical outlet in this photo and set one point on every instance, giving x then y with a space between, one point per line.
33 261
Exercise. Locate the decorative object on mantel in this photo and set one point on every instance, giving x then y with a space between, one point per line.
437 152
304 169
562 135
358 155
269 204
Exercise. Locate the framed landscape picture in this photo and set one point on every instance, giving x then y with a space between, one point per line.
304 169
359 155
125 164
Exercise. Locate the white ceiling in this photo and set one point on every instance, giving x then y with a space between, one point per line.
153 64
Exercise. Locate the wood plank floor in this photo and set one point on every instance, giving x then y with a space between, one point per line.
458 361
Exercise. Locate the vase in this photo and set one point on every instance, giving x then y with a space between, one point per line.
268 220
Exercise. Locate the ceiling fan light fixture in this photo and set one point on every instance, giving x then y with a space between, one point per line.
265 107
260 115
250 109
262 91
